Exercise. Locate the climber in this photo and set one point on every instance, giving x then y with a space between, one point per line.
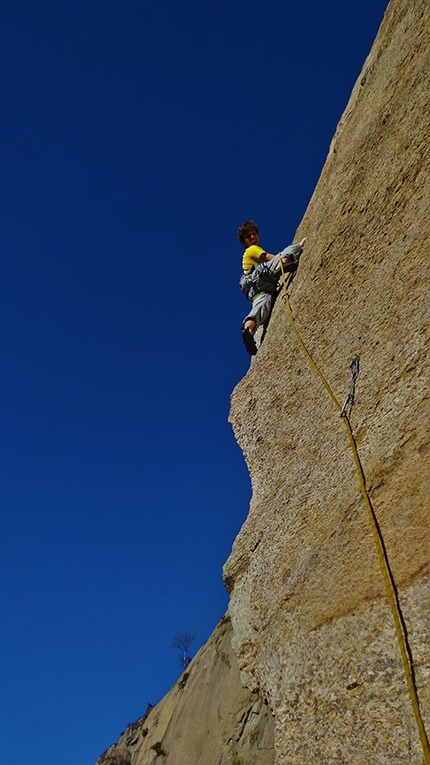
260 281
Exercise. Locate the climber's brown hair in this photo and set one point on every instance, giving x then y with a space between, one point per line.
244 230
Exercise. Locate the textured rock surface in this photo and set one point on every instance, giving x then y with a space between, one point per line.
313 629
207 718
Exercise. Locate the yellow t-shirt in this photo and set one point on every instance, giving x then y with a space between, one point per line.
251 257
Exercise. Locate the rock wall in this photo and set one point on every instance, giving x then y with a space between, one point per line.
207 718
313 631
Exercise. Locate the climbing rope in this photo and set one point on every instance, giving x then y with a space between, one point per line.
390 585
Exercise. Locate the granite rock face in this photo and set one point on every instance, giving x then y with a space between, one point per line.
313 631
207 718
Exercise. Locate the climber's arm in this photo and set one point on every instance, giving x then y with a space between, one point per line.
265 257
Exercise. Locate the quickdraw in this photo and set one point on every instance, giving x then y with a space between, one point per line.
354 369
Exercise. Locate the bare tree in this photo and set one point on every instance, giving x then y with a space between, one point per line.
182 641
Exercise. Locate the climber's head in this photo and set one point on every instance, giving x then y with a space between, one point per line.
248 233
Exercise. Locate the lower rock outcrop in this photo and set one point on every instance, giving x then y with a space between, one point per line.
207 718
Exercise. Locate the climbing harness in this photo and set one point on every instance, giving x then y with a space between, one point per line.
390 585
259 279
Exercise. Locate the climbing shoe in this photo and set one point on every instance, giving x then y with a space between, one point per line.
248 341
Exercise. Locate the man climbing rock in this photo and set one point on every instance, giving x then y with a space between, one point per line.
260 281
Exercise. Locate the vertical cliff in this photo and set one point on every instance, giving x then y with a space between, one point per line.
313 629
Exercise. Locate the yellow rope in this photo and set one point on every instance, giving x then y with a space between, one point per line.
379 542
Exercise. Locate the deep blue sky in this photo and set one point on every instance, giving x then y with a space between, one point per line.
135 137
